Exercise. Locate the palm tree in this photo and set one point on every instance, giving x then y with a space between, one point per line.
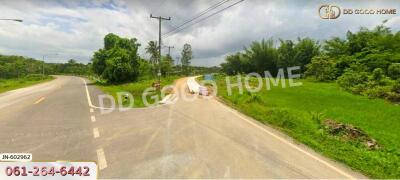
152 49
263 56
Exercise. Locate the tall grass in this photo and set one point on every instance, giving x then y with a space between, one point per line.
11 84
299 111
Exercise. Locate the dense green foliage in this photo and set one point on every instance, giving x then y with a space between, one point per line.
352 61
19 67
264 56
367 62
322 67
299 111
118 60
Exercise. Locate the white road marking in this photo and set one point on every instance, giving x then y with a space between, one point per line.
91 110
288 143
227 173
40 100
87 94
96 133
101 159
93 118
93 106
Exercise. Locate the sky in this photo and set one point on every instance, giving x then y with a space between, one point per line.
61 30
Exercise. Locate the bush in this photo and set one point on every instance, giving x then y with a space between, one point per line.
351 79
34 77
394 71
377 92
393 97
396 86
359 88
322 68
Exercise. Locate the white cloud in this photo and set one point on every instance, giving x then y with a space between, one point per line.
75 29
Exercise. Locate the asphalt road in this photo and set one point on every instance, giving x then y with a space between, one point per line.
198 139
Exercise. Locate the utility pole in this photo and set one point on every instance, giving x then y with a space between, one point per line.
169 49
44 63
159 42
43 68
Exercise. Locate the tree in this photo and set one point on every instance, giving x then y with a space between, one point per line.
152 50
394 71
336 47
118 61
286 53
187 56
262 56
166 64
234 64
305 49
322 68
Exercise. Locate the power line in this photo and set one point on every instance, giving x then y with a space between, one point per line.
176 31
214 6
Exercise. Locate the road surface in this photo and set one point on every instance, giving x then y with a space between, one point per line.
198 139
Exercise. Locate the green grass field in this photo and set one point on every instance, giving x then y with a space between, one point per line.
11 84
136 89
293 110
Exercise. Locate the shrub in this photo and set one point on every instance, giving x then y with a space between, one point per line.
393 97
378 92
359 88
396 86
322 68
351 79
34 77
394 71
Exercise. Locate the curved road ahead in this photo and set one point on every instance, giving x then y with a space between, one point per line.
198 139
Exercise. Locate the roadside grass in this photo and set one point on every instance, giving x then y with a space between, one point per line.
11 84
299 111
137 89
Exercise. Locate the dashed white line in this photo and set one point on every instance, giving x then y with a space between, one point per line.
91 110
93 119
40 100
96 133
101 159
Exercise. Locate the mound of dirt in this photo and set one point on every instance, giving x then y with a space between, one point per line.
349 132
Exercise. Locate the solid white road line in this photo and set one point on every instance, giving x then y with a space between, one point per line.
91 110
93 118
93 106
287 142
101 159
96 133
40 100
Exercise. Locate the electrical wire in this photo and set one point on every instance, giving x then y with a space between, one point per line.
178 30
214 6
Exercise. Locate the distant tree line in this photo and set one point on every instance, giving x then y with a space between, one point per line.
366 62
19 67
263 56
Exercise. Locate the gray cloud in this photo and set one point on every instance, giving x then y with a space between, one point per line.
74 29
